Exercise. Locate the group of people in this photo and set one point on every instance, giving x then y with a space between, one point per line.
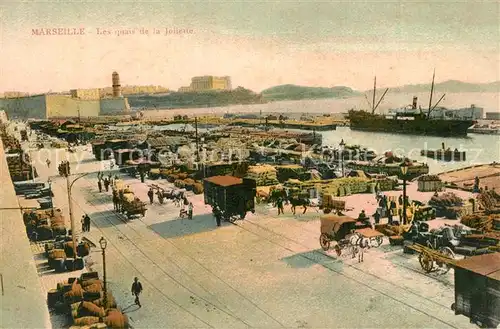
388 208
85 223
179 199
106 181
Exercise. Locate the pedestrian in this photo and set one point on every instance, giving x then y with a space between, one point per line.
151 195
218 215
376 216
106 184
99 185
190 210
136 290
115 200
48 163
279 204
161 196
83 223
87 223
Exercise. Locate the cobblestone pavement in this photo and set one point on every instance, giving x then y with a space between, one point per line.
264 272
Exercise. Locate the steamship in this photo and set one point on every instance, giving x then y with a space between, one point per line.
411 121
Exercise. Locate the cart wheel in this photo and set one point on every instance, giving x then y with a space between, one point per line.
453 307
426 262
338 250
327 211
232 219
445 267
324 242
378 241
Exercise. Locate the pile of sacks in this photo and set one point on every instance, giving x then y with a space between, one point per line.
264 175
83 299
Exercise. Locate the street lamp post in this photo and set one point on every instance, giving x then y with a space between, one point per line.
50 195
404 171
342 145
103 242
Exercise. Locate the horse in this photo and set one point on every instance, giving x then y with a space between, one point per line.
301 202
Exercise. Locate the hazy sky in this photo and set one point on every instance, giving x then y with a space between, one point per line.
258 43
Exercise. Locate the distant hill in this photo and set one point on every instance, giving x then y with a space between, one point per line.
239 95
294 92
450 86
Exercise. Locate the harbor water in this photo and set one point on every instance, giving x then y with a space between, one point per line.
480 149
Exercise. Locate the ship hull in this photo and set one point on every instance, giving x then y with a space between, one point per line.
378 123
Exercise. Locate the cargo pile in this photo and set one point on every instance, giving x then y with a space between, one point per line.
85 300
182 180
43 225
285 173
18 162
336 187
10 143
447 205
263 175
481 221
130 205
59 144
429 183
489 201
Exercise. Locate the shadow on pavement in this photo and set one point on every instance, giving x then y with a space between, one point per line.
103 219
311 258
181 227
131 308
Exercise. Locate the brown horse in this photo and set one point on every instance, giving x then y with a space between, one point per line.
299 202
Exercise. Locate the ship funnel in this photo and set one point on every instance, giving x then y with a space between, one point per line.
414 105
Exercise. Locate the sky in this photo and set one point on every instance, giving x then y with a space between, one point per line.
258 43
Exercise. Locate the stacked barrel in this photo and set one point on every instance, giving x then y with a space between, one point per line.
49 225
18 162
85 300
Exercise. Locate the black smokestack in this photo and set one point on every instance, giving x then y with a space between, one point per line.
414 105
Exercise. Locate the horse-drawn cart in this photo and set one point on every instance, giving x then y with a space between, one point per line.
428 257
329 204
343 232
133 208
230 197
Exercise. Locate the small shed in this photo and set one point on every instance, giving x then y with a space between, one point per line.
429 183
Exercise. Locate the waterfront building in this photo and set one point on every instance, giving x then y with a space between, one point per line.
209 82
88 94
14 94
493 115
185 89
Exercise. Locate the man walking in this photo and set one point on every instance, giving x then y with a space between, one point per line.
279 204
151 195
99 185
106 184
83 223
136 290
115 200
190 210
86 221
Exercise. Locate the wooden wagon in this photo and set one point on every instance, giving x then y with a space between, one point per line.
329 204
477 289
233 197
133 208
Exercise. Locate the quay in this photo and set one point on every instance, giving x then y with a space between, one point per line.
488 174
22 298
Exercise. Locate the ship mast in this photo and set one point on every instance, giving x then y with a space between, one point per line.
374 91
432 92
375 106
430 98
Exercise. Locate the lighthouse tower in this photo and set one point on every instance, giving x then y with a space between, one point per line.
117 89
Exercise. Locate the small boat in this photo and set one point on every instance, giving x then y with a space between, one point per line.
444 154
